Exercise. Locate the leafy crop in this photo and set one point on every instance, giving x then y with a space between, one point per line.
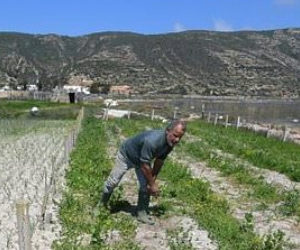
269 153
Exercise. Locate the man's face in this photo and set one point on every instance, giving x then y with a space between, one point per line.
174 135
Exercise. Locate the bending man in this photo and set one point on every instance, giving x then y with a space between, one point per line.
138 152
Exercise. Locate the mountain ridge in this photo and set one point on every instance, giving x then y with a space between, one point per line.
249 63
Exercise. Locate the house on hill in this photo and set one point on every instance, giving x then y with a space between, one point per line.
120 89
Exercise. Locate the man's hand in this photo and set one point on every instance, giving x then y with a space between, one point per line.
153 189
156 168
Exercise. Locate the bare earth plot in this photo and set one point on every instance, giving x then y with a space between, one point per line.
32 166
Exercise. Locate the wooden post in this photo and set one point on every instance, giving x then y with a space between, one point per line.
268 133
208 117
226 121
73 137
238 122
105 115
107 110
128 114
216 119
66 149
174 114
285 133
22 209
152 115
202 110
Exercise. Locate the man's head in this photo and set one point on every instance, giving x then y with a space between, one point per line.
174 131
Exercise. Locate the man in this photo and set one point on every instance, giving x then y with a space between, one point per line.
138 152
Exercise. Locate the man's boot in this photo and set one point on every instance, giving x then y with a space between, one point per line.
142 207
104 199
103 202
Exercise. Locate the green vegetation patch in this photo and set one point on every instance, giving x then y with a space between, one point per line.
211 211
263 152
47 110
89 167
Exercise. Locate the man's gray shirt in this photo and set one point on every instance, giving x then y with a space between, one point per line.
145 147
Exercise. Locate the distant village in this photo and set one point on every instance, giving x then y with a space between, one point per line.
76 84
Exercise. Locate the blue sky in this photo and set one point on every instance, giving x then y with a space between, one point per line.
77 17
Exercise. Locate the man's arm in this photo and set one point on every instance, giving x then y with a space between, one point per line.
147 171
156 168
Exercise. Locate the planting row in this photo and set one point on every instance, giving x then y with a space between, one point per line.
32 164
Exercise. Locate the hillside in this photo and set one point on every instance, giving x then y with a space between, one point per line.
263 63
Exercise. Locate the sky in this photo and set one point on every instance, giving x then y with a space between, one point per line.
81 17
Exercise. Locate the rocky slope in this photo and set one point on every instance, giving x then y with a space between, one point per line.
257 63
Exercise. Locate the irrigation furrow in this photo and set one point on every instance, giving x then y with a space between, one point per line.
265 221
271 177
28 163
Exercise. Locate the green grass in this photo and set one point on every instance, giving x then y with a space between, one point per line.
259 189
229 167
210 210
48 110
89 167
269 153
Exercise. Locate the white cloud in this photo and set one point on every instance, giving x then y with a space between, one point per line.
221 25
178 27
285 2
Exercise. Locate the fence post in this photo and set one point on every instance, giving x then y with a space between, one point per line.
175 113
105 115
22 210
226 121
268 131
128 114
107 111
285 133
216 119
152 115
73 137
238 122
208 117
202 110
66 154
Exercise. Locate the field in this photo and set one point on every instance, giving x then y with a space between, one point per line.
33 160
220 188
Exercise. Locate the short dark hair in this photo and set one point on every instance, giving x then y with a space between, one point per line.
174 123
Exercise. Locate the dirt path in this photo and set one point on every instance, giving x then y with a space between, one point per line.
265 221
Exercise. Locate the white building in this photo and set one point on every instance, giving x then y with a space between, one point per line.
76 89
32 87
5 88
